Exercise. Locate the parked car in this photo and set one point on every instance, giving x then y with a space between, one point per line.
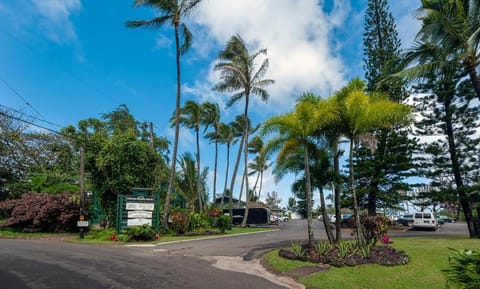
348 221
284 219
445 219
423 220
405 220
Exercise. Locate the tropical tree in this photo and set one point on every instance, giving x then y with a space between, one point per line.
360 113
174 12
445 107
455 26
187 181
191 117
239 75
211 116
225 136
293 133
259 164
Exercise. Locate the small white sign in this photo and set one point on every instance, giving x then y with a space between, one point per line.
138 222
139 214
82 223
139 207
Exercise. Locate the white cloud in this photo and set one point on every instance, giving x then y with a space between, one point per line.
55 18
407 24
162 41
297 34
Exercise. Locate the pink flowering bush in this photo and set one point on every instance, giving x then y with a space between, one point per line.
38 212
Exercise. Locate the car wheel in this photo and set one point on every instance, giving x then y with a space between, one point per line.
410 223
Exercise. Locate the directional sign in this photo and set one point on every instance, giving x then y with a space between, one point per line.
139 214
138 222
140 206
82 223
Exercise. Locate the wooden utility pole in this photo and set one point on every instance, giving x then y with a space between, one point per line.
82 189
151 134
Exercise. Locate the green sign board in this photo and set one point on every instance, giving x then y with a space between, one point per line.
137 210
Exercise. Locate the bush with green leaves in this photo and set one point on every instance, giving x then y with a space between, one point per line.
140 233
197 222
38 212
223 223
373 228
464 269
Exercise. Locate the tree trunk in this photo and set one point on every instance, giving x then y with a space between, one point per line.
215 169
226 175
261 182
358 225
336 168
472 72
245 151
166 206
199 181
235 169
464 201
326 221
308 189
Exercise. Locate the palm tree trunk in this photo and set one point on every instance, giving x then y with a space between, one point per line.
336 189
245 150
241 193
261 181
199 181
308 189
452 148
166 207
235 169
358 225
326 222
255 186
472 73
215 169
226 176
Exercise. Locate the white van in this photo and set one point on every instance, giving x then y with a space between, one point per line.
425 221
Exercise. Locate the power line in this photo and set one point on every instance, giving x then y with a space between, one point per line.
31 123
31 116
20 96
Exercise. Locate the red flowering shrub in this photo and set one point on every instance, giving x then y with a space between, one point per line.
36 212
180 222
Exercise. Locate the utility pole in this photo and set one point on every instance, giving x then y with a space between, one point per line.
151 134
82 189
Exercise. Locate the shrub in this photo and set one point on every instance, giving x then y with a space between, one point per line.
180 222
140 233
323 247
223 223
197 221
37 212
464 269
373 228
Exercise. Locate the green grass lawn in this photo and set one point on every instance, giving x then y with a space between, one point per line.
428 256
103 236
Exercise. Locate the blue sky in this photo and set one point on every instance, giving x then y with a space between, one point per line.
74 59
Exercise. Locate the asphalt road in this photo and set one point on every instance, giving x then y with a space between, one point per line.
228 262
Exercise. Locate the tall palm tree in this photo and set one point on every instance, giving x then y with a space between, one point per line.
362 113
172 11
294 133
454 26
239 75
191 117
211 116
225 136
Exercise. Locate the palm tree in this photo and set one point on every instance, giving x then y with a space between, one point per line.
225 136
294 133
258 166
191 117
362 113
172 11
238 75
452 26
211 116
187 181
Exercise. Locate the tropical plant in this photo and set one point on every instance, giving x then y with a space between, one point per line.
140 233
172 11
238 75
297 248
455 27
187 180
293 134
360 114
191 117
211 116
323 247
464 269
225 136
